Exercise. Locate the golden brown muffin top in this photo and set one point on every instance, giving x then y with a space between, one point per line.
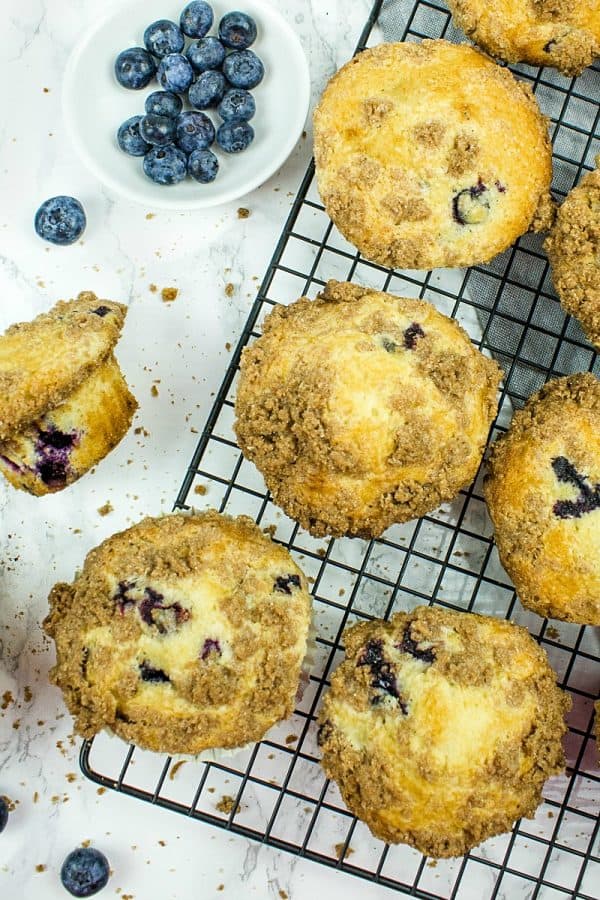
42 361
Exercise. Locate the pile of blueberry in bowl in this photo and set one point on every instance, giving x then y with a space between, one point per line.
175 134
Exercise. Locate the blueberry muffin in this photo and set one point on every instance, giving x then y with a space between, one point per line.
64 403
573 248
181 634
543 494
440 728
560 33
362 409
431 155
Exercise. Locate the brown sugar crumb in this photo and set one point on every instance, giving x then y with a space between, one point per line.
432 863
152 288
200 489
36 796
40 867
227 805
175 769
105 509
71 777
210 790
154 390
162 843
463 154
150 215
7 699
229 289
550 814
291 738
86 843
553 633
46 90
341 853
169 294
27 693
243 213
101 791
228 346
220 887
283 894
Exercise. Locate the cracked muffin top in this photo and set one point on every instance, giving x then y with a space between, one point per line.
560 33
440 728
362 409
431 155
43 361
543 494
573 248
182 633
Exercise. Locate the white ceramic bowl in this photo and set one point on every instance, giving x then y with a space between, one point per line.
95 104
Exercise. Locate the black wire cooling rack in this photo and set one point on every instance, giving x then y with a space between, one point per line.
276 791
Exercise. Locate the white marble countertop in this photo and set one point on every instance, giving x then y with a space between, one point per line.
180 348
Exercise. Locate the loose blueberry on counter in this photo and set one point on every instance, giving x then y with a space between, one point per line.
53 449
207 90
165 165
158 130
285 583
129 138
154 676
207 53
175 73
3 813
412 334
203 165
163 103
210 646
196 19
407 645
237 104
235 136
195 131
243 69
471 206
163 37
84 872
237 30
60 220
134 68
589 495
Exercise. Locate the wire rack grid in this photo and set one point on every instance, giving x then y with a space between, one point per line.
275 791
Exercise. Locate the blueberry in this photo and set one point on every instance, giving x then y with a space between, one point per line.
163 103
205 54
53 449
158 130
207 90
195 131
163 37
154 676
3 813
175 73
196 19
165 165
588 498
243 69
134 68
411 647
130 139
470 206
210 646
235 136
237 30
102 310
203 165
285 583
412 334
384 678
60 220
84 872
237 104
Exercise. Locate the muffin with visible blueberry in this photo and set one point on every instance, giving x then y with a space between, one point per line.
440 728
183 633
543 494
362 409
431 155
573 248
564 34
64 403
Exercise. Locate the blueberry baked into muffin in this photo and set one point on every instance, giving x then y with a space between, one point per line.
431 155
182 633
362 409
440 728
543 494
560 33
573 248
64 403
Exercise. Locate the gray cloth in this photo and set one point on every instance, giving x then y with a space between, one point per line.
522 324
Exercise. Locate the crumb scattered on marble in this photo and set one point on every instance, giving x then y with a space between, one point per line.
220 887
150 215
101 790
86 843
229 289
169 294
200 489
154 390
243 213
105 509
227 804
71 777
291 738
175 769
152 288
7 699
228 346
27 693
432 863
40 867
553 632
162 843
340 852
